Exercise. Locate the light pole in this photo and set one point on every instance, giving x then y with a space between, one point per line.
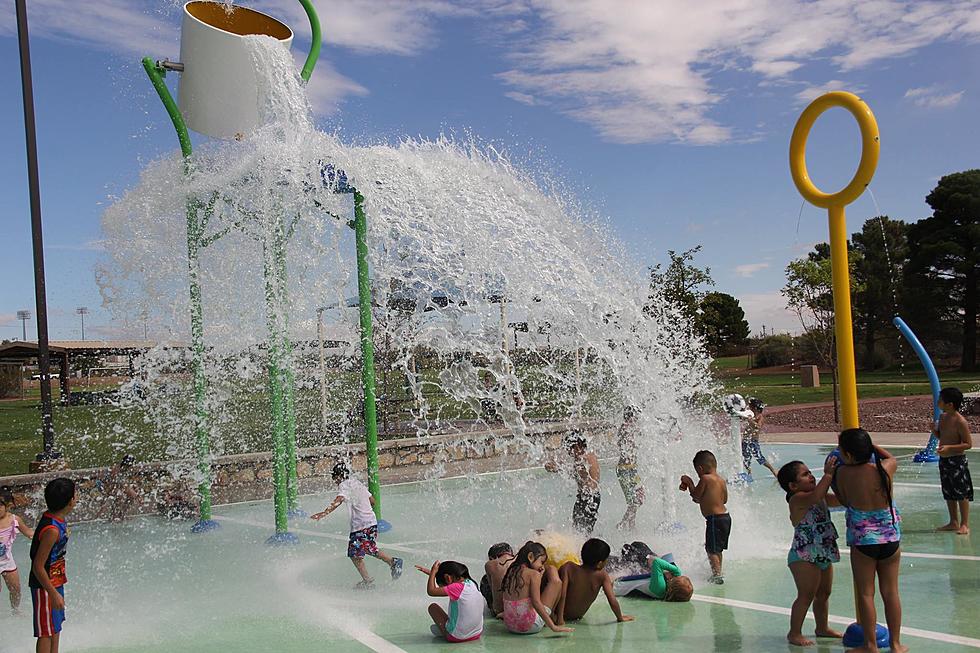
24 316
37 244
82 311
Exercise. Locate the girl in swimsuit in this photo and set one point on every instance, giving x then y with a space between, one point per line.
863 484
10 525
528 606
814 548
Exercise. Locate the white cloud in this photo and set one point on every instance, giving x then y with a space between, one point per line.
647 71
523 98
811 93
931 97
768 309
749 269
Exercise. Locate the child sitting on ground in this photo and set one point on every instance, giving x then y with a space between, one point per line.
499 558
863 484
528 608
464 623
954 471
10 524
814 550
363 525
581 584
711 494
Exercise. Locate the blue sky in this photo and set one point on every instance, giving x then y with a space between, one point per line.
670 118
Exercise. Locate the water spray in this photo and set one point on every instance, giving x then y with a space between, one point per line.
929 454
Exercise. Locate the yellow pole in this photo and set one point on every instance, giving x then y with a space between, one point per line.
843 333
835 203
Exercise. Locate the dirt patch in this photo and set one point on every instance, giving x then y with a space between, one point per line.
905 415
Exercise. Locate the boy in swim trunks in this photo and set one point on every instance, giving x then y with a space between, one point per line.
47 579
581 584
750 437
363 525
954 470
585 470
711 494
626 471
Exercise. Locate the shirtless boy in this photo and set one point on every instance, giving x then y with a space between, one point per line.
499 558
954 471
711 494
580 584
585 470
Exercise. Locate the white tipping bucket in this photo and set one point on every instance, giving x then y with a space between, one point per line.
218 92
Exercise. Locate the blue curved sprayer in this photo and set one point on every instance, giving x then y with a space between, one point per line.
927 455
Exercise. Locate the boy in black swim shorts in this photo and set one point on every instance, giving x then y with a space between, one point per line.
711 495
954 470
585 471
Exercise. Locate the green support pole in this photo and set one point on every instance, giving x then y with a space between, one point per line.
276 387
367 351
289 381
201 417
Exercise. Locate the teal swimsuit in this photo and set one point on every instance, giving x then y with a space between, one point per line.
815 539
658 584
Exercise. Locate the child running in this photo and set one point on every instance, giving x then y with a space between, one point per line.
711 494
954 470
580 584
47 579
528 607
750 437
626 471
10 524
814 550
499 558
863 484
464 623
363 525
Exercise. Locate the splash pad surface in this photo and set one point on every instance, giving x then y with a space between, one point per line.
149 586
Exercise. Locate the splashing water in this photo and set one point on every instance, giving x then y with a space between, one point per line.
463 245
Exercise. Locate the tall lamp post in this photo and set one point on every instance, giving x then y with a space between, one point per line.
23 316
40 297
82 311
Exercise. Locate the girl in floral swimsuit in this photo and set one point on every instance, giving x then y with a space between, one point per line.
863 484
528 607
814 548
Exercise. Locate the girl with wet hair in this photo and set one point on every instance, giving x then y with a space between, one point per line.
863 484
531 590
464 621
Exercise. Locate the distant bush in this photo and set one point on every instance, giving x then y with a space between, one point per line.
775 350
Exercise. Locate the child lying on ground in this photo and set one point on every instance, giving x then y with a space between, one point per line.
581 584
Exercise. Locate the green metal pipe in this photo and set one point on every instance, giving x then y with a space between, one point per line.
289 379
201 417
276 387
367 351
316 42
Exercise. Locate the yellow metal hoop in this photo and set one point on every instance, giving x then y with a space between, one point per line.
869 149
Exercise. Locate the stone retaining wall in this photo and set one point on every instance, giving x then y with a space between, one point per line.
247 477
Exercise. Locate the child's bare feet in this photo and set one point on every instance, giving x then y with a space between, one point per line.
951 526
829 632
963 530
899 648
798 640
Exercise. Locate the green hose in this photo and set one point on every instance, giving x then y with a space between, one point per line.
315 44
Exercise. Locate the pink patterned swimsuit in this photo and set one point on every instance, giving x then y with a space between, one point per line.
521 618
7 537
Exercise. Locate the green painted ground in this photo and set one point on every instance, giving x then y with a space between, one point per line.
149 586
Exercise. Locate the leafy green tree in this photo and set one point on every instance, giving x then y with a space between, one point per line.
944 261
682 282
881 252
721 321
809 292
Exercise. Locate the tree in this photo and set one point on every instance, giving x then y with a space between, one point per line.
881 250
681 282
721 321
944 264
809 292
